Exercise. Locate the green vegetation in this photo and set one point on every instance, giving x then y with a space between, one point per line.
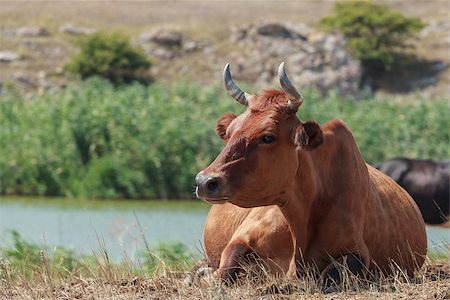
168 255
109 55
24 259
376 35
98 140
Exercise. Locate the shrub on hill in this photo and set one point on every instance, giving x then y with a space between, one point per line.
109 55
376 34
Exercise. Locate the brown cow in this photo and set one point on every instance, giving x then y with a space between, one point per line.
338 208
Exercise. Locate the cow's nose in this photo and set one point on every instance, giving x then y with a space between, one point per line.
208 186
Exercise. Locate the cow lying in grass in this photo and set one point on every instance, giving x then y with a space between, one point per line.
428 183
297 194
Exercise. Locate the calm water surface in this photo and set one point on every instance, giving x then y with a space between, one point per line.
91 226
120 226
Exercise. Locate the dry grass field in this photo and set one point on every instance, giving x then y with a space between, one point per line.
433 282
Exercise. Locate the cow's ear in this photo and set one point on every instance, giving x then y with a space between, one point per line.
308 135
222 125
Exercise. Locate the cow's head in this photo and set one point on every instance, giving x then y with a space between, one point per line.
260 157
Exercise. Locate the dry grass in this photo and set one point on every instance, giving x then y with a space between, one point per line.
433 282
187 13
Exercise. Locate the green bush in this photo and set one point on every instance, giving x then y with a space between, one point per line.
376 35
98 140
109 55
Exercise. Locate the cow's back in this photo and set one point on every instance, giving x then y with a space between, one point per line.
393 225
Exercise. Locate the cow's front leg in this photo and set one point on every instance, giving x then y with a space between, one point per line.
333 274
232 259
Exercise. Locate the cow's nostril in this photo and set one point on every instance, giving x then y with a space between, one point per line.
212 185
209 186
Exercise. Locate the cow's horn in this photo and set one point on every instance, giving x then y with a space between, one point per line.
233 89
295 98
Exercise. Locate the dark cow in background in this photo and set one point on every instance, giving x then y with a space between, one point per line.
427 181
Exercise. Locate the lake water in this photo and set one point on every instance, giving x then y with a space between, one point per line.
120 226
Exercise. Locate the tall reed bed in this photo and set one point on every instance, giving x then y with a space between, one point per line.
133 141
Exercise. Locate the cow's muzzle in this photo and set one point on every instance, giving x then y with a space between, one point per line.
210 187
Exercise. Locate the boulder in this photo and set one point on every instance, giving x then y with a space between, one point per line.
8 56
75 30
32 31
169 44
163 37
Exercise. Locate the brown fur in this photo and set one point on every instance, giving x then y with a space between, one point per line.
264 230
222 125
334 204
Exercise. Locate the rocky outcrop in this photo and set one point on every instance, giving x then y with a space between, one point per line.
313 58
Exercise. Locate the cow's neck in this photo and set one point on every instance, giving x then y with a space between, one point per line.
297 208
330 172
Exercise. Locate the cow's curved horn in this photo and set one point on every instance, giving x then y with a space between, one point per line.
232 88
295 98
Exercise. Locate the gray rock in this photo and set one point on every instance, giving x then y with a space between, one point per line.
163 37
160 52
8 56
238 33
25 80
75 30
435 26
146 37
169 44
29 43
190 46
32 31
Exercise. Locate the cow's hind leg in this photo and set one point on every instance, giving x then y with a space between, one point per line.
232 259
333 274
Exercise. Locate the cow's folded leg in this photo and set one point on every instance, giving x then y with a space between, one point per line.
233 256
333 274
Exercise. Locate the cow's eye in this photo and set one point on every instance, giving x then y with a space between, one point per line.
267 139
